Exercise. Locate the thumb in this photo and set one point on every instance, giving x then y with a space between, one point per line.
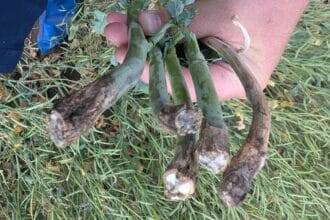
151 21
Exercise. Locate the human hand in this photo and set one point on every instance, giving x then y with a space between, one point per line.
269 24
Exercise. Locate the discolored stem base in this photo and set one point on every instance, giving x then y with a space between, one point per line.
180 176
78 112
180 119
213 148
248 161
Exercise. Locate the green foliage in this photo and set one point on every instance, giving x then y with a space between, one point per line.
100 21
122 5
175 8
119 5
181 11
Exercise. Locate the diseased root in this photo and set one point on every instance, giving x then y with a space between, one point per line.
188 121
248 161
178 186
238 177
180 176
58 130
77 112
181 119
213 146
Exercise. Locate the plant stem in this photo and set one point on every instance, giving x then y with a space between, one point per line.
133 9
251 157
175 118
158 94
207 97
159 35
213 145
78 112
179 86
180 176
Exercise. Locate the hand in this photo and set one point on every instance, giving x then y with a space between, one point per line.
269 24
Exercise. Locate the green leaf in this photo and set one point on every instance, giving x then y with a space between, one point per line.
119 5
182 11
100 22
175 8
187 16
188 2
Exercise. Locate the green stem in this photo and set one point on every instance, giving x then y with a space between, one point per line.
181 174
178 83
180 119
133 9
159 96
129 73
207 97
159 35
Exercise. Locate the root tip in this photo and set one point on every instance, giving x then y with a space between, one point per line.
177 186
234 188
214 161
56 126
188 121
228 200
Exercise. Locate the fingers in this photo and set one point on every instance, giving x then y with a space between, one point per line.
116 33
116 30
116 17
152 21
226 83
121 53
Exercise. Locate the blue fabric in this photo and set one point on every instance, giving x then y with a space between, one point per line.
53 23
16 21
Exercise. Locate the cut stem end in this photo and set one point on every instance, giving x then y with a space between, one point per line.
178 187
213 149
180 119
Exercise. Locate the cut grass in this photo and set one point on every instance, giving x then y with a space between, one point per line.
115 171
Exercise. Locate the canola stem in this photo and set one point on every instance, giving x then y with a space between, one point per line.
178 83
207 97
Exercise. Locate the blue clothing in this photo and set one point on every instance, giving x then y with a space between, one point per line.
16 21
53 23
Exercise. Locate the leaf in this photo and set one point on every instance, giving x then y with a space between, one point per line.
142 87
146 4
175 8
100 22
181 10
187 16
188 2
120 5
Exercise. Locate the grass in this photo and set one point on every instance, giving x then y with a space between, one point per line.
115 171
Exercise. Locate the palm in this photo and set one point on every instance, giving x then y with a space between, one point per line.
269 24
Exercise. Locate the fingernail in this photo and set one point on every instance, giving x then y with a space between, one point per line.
151 22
